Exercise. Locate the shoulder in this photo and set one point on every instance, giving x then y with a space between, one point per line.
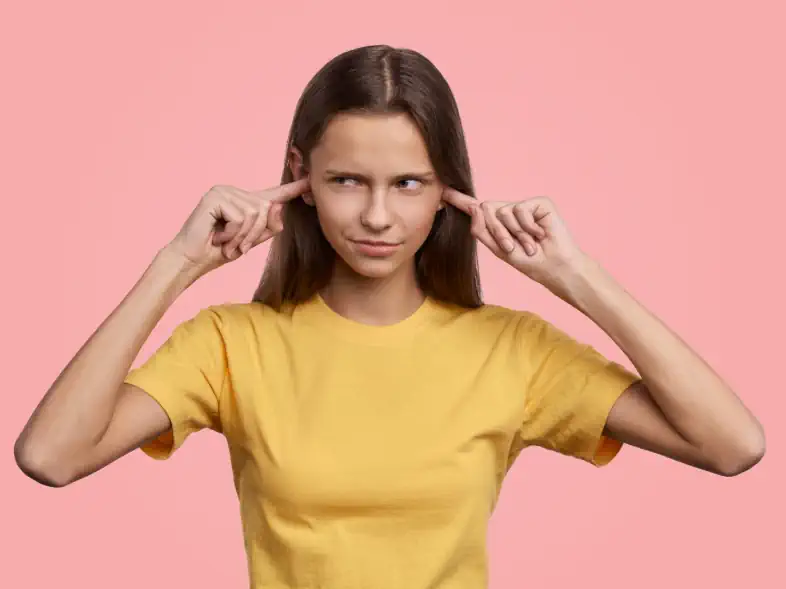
494 317
242 316
490 322
232 328
520 326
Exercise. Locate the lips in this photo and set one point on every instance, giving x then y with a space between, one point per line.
375 248
375 243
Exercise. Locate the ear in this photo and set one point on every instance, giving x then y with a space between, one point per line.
441 202
297 166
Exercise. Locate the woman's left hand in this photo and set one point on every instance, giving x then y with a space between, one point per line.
529 235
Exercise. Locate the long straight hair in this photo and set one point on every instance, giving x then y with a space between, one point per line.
377 79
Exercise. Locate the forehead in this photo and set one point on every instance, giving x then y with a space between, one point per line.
372 144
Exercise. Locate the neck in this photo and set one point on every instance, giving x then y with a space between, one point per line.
373 301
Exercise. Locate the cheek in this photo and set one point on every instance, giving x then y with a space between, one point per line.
419 214
332 211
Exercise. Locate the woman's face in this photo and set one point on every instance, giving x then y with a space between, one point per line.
375 191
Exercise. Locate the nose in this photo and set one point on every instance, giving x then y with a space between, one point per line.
376 215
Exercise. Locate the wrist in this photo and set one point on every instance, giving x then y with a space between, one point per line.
174 268
582 282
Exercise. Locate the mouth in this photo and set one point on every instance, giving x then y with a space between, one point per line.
375 248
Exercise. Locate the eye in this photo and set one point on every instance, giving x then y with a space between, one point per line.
410 184
344 181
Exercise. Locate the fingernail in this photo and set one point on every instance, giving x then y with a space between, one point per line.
507 245
529 249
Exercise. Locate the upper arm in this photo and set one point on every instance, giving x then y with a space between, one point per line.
186 377
137 419
637 420
570 390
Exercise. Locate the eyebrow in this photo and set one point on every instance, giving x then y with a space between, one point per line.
420 175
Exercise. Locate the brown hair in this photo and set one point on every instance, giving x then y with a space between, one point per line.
378 79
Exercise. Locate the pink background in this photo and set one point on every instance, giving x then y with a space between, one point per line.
658 130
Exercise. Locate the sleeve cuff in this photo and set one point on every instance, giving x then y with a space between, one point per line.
165 444
601 396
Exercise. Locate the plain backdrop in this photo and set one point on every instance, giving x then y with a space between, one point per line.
657 128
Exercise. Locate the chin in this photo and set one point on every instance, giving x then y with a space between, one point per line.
374 268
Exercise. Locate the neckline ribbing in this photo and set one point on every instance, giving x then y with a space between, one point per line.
320 315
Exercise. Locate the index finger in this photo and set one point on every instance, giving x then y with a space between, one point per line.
461 201
288 191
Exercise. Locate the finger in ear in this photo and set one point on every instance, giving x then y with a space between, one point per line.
297 164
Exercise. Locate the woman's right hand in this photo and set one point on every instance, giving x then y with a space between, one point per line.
229 221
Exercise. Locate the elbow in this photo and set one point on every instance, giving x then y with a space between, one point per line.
36 465
748 453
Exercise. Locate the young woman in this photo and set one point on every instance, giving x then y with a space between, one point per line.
372 404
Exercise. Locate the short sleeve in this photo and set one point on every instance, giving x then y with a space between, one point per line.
186 376
571 389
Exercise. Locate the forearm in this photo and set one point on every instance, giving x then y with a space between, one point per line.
79 405
695 400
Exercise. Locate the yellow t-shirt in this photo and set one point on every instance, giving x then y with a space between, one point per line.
372 456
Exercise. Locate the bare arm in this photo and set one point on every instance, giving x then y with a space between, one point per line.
89 417
681 409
